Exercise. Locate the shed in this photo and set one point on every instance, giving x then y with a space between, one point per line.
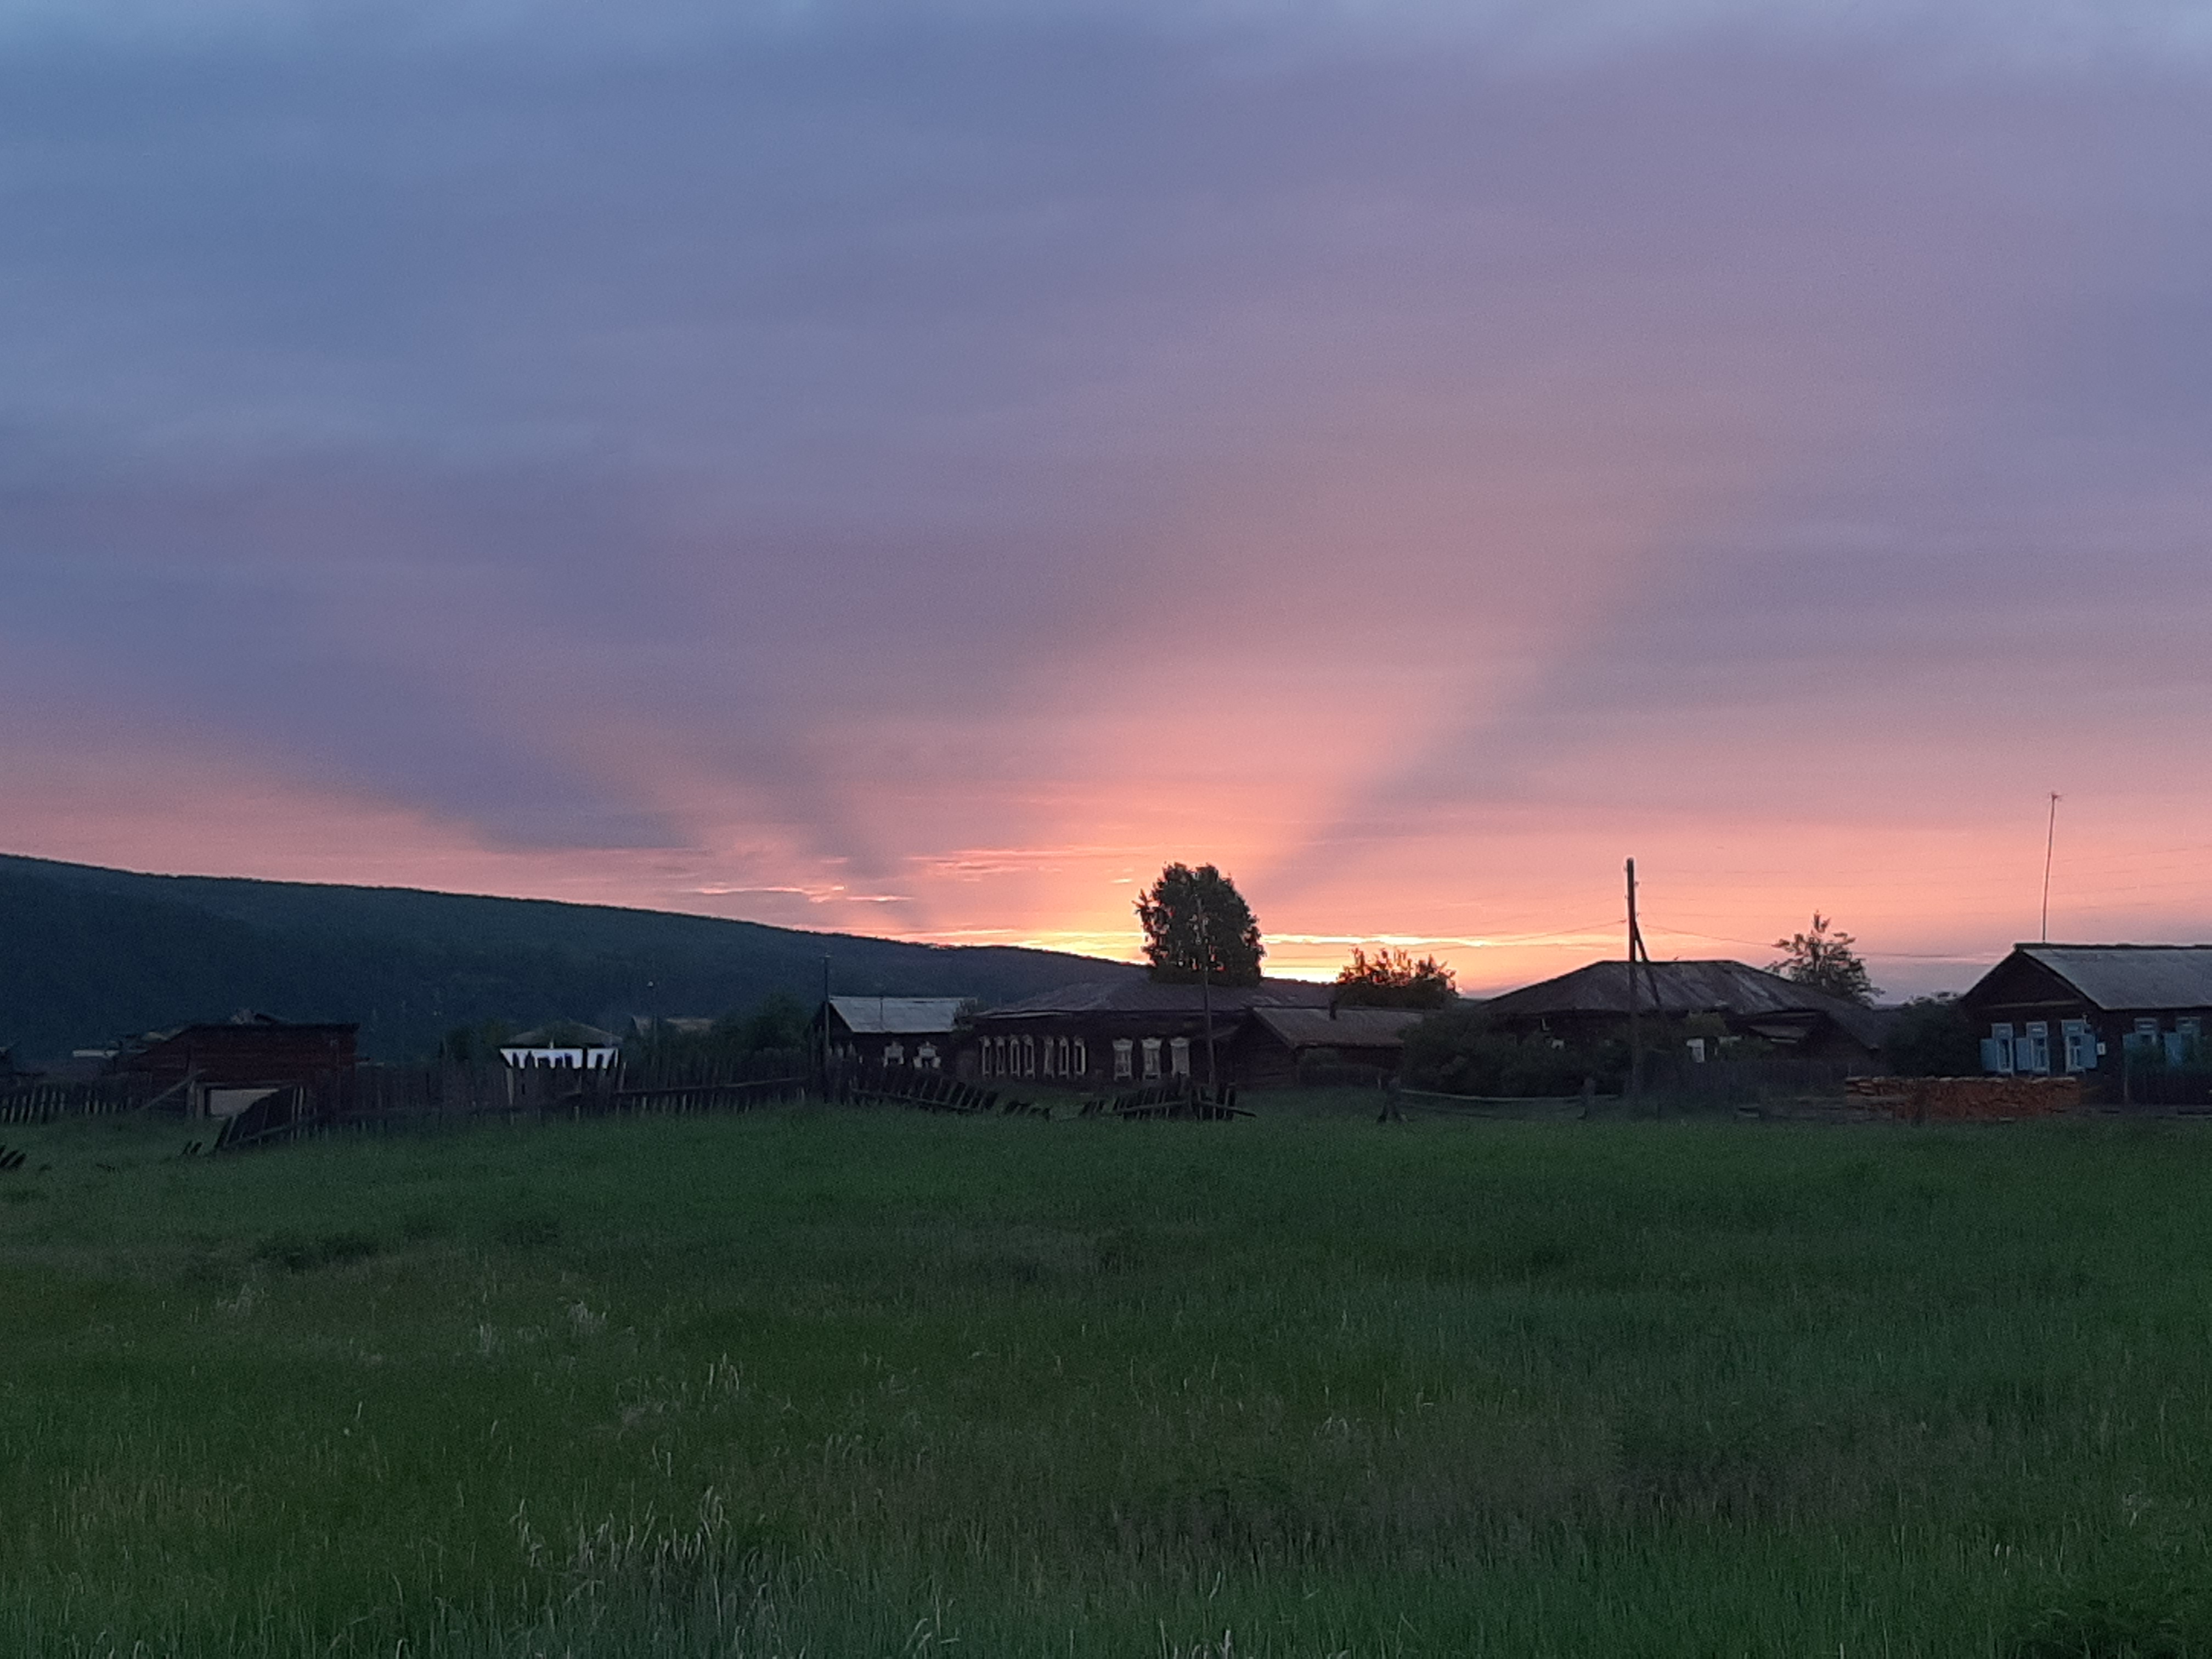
1275 1041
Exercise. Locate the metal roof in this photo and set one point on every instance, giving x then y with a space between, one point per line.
563 1034
1685 988
1145 996
2116 976
1348 1028
896 1016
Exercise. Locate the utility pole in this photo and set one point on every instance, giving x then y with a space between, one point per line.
825 1026
2050 841
1635 1027
1206 994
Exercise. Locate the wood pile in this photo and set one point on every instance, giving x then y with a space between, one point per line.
1967 1099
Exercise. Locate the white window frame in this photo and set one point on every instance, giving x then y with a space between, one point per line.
1125 1060
2079 1039
1998 1057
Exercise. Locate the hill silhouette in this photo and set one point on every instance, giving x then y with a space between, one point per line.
89 953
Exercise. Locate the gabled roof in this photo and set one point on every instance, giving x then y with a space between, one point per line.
563 1034
1145 996
2116 976
1349 1028
1681 988
896 1016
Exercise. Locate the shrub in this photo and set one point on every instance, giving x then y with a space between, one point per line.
1458 1050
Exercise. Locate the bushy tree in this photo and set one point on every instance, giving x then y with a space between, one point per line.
476 1046
1197 925
1932 1038
1392 979
778 1022
1826 961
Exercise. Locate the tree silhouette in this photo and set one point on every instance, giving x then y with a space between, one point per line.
1392 979
1826 962
1197 925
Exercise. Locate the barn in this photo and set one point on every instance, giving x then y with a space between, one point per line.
220 1070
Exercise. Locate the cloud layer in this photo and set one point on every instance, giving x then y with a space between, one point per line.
918 468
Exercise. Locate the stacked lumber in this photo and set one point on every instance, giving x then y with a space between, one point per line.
1967 1099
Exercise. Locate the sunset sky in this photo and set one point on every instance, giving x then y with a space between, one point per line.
913 468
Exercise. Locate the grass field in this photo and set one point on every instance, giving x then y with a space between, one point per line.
831 1384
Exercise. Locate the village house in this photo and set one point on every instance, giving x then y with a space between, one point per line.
2084 1008
1130 1031
892 1031
1594 1002
569 1045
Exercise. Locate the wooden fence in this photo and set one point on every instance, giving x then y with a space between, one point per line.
922 1090
1177 1097
43 1102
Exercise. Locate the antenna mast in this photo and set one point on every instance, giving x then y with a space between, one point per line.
2050 841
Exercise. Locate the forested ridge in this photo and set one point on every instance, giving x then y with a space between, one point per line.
89 953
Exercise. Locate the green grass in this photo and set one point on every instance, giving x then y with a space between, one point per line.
834 1384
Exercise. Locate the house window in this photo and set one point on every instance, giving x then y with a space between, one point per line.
2081 1043
1029 1056
2031 1050
1151 1057
924 1057
1179 1056
1079 1058
1996 1048
1123 1049
1697 1047
894 1053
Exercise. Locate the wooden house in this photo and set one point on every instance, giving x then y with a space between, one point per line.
2085 1008
1594 1002
920 1032
1102 1034
567 1045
